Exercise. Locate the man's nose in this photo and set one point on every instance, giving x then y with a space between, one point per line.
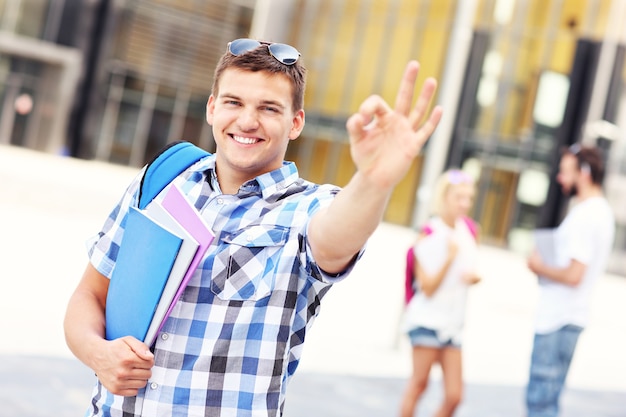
248 120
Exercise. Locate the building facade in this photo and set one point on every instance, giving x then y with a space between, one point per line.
116 80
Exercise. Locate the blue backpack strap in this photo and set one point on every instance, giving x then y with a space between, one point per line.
167 165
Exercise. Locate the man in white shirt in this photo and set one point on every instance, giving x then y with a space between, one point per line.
583 242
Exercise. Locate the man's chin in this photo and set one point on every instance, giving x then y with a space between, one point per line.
570 192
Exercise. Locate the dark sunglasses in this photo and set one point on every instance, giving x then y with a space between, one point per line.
283 53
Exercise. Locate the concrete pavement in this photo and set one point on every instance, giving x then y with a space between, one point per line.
355 361
36 386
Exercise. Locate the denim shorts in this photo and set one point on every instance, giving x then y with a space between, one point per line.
425 337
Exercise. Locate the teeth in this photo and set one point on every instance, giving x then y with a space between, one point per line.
246 141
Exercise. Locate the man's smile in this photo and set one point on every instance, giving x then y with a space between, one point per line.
244 140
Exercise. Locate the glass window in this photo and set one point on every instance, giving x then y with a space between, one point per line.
124 132
159 126
194 120
551 99
532 188
31 17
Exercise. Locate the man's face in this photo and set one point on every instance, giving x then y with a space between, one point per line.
253 122
568 175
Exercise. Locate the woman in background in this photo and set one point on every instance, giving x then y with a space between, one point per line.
445 266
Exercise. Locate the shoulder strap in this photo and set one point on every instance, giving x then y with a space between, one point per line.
471 225
409 279
427 229
410 286
166 166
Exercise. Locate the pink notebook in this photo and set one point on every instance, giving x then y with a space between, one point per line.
189 218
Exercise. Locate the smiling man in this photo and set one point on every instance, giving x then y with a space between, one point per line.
235 337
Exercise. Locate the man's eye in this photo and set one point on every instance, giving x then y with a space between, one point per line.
271 109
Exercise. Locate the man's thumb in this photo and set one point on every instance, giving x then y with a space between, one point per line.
141 349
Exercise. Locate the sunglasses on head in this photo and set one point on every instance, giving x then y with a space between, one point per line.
574 149
283 53
584 165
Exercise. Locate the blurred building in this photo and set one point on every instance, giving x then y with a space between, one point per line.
115 80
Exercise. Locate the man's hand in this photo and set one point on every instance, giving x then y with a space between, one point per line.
471 278
123 366
385 141
535 263
572 274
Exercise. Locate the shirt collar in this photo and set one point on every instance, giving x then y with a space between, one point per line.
278 180
267 184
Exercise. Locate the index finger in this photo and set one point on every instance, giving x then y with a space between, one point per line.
404 98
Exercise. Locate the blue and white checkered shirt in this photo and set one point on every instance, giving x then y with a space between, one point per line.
235 337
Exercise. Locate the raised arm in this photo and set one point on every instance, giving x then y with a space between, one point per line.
384 142
429 283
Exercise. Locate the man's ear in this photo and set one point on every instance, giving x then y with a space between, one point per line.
585 170
210 109
297 125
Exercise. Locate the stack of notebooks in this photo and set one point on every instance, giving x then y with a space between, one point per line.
160 251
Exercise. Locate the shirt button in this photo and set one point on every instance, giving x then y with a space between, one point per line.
250 238
154 385
165 336
220 201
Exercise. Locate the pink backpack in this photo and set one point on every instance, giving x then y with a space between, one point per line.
410 283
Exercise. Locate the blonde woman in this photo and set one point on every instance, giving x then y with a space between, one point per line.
445 267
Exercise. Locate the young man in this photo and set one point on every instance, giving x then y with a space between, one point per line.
583 242
224 352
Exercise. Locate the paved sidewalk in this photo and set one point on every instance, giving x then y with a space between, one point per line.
31 386
355 361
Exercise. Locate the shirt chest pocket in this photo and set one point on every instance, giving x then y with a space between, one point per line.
244 267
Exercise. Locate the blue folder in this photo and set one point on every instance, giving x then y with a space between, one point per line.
145 259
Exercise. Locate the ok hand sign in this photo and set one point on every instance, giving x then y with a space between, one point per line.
385 141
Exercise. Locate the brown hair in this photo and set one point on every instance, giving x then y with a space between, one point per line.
590 159
259 59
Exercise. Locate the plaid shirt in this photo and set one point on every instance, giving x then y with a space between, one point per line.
235 337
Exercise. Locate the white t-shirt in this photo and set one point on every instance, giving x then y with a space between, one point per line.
444 311
586 235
